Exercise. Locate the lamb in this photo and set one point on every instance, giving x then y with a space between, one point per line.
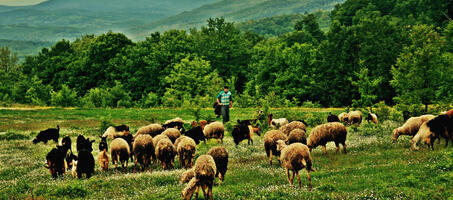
220 156
187 176
205 170
343 117
119 152
113 132
152 129
270 143
143 149
332 118
372 117
410 127
276 123
48 134
177 123
355 117
165 153
286 129
195 133
295 157
85 161
203 124
172 133
55 161
186 150
332 131
297 135
103 160
214 130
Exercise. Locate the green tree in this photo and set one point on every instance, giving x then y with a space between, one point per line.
310 24
366 87
8 60
66 97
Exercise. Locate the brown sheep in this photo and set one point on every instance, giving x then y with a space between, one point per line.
424 133
205 170
187 176
177 141
143 149
203 124
343 117
214 130
372 117
186 150
152 129
410 127
103 160
355 117
172 133
286 129
295 157
158 138
297 135
119 152
165 153
332 131
220 156
270 143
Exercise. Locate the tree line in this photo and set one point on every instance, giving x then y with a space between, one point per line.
397 52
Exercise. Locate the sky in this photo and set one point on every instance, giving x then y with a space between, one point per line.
19 2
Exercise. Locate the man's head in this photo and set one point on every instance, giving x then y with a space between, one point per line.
225 89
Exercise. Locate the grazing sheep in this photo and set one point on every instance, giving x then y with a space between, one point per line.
177 141
186 150
332 131
195 133
217 109
103 160
372 117
177 123
205 170
332 118
113 132
165 153
172 133
410 127
187 176
85 161
343 117
55 161
214 130
276 123
152 129
240 132
48 134
158 138
143 149
270 143
433 129
295 157
286 129
297 135
119 152
355 117
203 124
220 156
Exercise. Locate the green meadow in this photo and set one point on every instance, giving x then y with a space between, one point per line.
373 168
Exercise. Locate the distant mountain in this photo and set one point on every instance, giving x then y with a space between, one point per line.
234 10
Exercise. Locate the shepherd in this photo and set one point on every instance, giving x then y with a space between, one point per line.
225 99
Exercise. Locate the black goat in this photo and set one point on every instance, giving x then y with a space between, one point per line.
48 134
195 133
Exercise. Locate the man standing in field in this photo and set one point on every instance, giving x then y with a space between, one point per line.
225 99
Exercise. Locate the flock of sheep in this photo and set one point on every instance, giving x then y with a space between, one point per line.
162 143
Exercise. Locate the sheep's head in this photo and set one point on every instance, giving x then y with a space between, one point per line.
395 134
281 145
194 124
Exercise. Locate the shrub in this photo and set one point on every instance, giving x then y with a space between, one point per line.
66 97
310 104
150 100
382 110
104 123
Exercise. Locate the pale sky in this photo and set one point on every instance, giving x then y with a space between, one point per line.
19 2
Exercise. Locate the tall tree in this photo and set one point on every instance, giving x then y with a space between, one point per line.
8 60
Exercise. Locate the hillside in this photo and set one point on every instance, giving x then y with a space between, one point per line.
24 48
234 10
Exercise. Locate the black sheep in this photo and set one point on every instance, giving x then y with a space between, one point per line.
55 161
217 109
103 144
48 134
332 118
441 126
195 133
247 122
177 125
66 142
85 163
240 132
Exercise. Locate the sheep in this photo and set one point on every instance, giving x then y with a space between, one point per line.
220 156
434 128
186 150
276 123
119 152
165 153
85 161
410 127
270 143
187 176
177 141
204 170
332 131
66 141
247 122
194 124
217 109
297 135
286 129
177 123
103 160
372 117
295 157
158 138
343 117
240 132
449 113
143 149
55 161
355 117
332 118
152 129
214 130
203 124
113 132
172 133
48 134
195 133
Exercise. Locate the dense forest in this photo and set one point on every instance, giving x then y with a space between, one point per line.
397 52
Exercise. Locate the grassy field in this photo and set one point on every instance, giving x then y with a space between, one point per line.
374 168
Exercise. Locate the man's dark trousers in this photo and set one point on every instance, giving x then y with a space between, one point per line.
226 113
